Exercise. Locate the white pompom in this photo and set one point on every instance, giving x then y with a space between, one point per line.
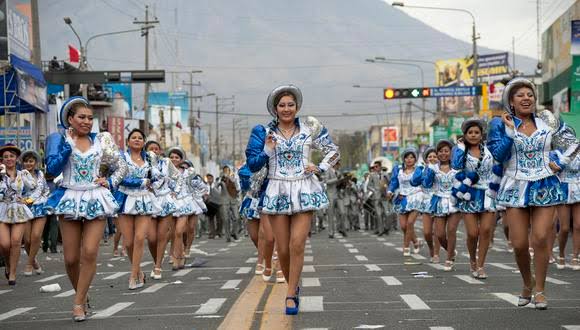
467 196
456 185
459 195
467 182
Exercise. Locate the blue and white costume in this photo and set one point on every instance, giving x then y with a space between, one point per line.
441 184
570 178
290 190
133 194
186 200
78 196
480 199
197 188
39 195
425 194
12 208
406 196
528 179
249 206
165 186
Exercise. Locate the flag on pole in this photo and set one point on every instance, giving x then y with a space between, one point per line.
73 54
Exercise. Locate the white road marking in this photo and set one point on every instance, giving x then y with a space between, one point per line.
348 245
232 244
224 249
311 304
510 298
183 272
308 246
252 260
418 256
154 288
555 281
202 242
15 312
145 263
381 239
308 259
502 266
50 278
353 250
365 233
65 294
369 326
112 310
440 328
231 284
373 268
361 258
468 279
244 270
571 327
211 306
310 281
116 275
342 240
4 291
498 249
308 269
414 302
389 244
391 280
437 266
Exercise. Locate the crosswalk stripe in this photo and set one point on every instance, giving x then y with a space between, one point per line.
555 281
112 310
418 257
414 302
252 260
391 280
65 294
311 304
154 288
50 278
373 268
308 259
348 245
231 284
308 246
353 250
381 239
232 244
342 240
361 258
211 306
244 270
224 249
308 269
437 266
310 281
389 244
182 272
202 242
440 328
15 312
308 251
571 327
501 266
116 275
510 298
468 279
145 263
4 291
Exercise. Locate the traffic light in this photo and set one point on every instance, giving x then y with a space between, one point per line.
389 93
406 93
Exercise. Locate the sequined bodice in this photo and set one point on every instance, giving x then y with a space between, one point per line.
82 169
530 156
291 155
484 171
405 187
443 182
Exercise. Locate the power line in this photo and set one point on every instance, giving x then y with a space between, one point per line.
117 9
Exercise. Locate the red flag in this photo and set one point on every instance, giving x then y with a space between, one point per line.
73 54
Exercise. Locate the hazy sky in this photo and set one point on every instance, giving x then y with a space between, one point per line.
497 21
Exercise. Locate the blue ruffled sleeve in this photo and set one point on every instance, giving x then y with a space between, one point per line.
417 177
428 177
245 174
500 140
256 155
58 150
130 181
394 184
458 157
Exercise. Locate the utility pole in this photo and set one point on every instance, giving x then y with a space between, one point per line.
217 123
475 65
146 25
39 118
400 123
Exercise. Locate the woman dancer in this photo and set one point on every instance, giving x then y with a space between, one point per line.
137 202
530 188
196 188
83 200
163 187
439 178
569 214
14 213
475 161
293 192
35 227
407 201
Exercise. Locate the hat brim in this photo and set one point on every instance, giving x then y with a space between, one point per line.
176 150
32 153
516 82
14 149
471 122
280 89
67 106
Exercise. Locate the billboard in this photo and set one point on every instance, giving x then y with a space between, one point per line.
21 137
390 136
556 44
19 28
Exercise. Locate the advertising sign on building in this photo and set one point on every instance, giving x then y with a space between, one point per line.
390 136
560 102
19 28
575 71
20 137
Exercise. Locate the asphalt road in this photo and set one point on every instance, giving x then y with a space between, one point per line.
360 281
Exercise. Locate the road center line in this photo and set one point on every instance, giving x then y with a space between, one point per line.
241 314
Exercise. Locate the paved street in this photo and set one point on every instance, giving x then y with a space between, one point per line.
361 281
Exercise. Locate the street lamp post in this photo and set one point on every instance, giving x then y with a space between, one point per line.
369 60
474 38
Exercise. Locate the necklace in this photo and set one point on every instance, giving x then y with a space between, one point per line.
289 130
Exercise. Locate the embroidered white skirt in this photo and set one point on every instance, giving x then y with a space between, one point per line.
13 213
83 204
296 196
